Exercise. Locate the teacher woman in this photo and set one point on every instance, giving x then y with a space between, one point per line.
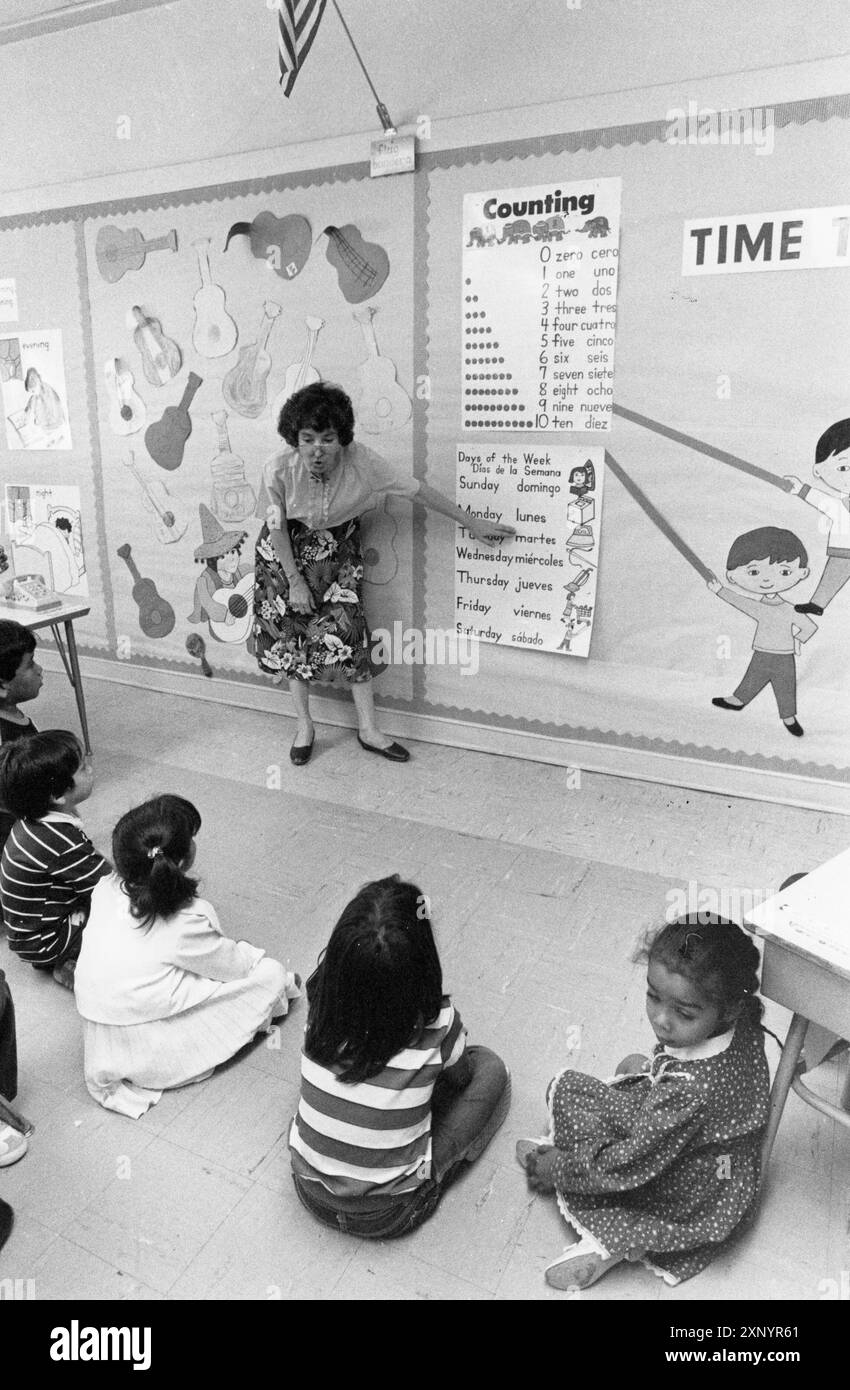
309 623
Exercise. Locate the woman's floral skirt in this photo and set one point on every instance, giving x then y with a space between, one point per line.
327 647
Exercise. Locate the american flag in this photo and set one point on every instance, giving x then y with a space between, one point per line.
298 21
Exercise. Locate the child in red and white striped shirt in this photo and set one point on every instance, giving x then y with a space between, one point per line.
393 1103
49 866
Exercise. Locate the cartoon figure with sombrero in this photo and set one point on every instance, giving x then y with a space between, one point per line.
224 591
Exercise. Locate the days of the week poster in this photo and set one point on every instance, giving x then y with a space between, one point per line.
537 589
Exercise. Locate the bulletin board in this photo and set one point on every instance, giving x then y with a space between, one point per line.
179 354
752 365
755 365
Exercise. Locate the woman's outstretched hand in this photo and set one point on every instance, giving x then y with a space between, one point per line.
488 532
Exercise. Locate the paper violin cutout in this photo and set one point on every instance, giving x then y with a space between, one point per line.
362 266
284 243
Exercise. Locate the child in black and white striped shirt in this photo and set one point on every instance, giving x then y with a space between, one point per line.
49 866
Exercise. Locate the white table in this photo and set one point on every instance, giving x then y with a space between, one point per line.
63 613
806 933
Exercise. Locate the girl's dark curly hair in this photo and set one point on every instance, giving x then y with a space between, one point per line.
317 407
713 953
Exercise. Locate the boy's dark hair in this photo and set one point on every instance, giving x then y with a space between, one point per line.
149 845
37 770
15 642
713 953
378 983
767 543
317 407
833 441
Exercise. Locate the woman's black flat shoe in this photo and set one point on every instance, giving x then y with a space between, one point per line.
394 752
301 755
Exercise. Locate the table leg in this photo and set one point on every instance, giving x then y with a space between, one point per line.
782 1084
60 647
77 683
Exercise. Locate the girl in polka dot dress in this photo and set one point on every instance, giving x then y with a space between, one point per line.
661 1163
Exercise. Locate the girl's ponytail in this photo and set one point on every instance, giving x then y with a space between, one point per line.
150 848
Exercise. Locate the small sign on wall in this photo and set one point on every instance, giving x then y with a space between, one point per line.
393 154
804 239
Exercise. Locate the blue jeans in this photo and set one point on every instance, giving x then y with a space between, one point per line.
462 1125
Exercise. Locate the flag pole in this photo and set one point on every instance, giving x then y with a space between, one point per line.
383 114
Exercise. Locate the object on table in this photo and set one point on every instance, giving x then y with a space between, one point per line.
30 591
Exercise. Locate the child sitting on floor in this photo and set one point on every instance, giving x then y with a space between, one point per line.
661 1164
393 1104
49 865
165 995
21 679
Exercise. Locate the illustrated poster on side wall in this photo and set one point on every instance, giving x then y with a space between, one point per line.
35 397
538 588
539 306
45 527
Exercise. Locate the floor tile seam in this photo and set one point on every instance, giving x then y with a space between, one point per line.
124 1273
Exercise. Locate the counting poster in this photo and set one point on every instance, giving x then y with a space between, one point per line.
539 306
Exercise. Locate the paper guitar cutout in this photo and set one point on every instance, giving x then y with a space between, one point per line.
161 357
383 404
215 333
361 266
244 387
166 440
170 521
239 601
284 243
127 410
300 373
156 616
380 559
233 498
116 252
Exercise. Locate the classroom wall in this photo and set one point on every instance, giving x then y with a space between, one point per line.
641 703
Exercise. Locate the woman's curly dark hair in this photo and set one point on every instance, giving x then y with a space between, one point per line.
317 407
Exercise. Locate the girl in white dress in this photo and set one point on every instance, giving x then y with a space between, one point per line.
165 996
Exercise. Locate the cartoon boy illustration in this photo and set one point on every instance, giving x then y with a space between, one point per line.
765 563
832 467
